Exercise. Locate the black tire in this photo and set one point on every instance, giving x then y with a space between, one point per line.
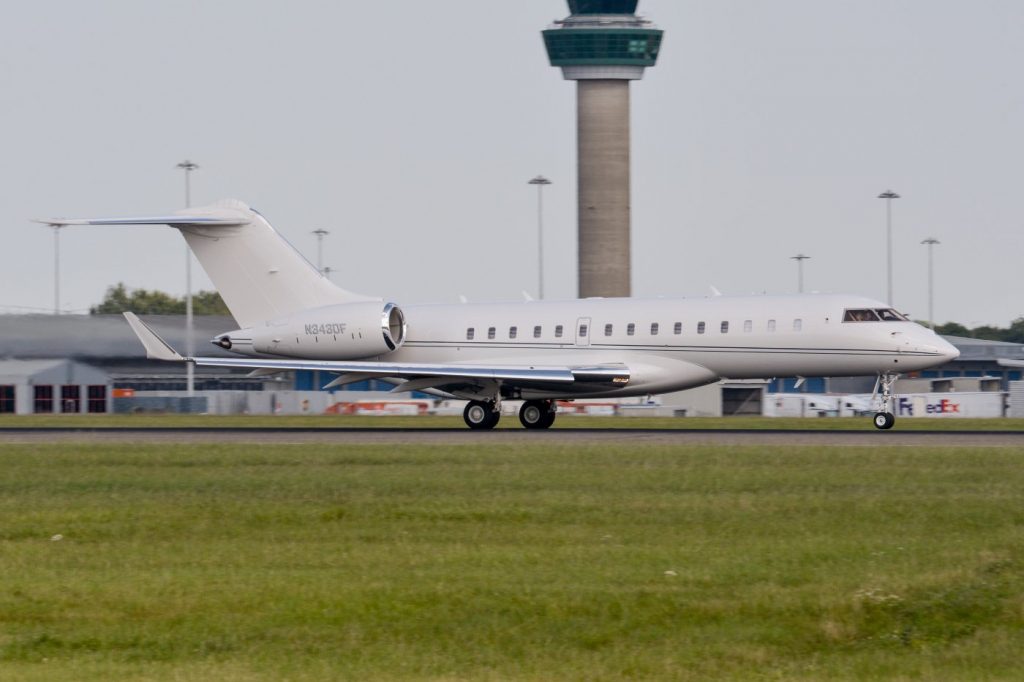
536 414
884 421
479 415
549 419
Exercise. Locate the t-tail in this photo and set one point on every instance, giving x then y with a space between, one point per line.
258 273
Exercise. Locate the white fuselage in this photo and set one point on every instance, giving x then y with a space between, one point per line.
667 344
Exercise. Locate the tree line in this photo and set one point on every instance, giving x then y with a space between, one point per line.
121 299
1014 333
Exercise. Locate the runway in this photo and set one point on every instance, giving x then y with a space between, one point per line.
406 436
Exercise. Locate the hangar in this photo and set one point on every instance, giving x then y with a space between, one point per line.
52 387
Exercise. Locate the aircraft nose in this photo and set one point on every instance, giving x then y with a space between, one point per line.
948 351
940 347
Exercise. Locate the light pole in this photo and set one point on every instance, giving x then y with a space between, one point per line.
56 268
799 258
320 234
540 181
930 243
888 195
190 368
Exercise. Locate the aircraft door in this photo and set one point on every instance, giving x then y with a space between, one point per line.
583 331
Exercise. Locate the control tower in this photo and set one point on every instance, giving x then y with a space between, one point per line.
602 46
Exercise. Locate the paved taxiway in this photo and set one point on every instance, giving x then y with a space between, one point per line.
506 436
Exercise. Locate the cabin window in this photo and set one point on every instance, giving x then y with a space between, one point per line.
725 327
630 329
678 328
654 328
490 332
771 325
798 325
748 326
513 332
558 331
470 333
701 327
608 330
583 330
536 332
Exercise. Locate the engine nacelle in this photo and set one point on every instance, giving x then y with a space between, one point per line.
348 331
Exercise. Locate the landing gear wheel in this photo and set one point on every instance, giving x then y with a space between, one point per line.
884 420
481 415
537 414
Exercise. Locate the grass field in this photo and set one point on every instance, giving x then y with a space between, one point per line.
331 562
507 422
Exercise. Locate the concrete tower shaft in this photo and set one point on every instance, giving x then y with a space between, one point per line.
602 116
603 45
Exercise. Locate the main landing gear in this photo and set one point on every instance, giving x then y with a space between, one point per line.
537 414
534 414
481 415
884 418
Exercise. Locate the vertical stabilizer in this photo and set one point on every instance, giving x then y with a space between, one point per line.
258 273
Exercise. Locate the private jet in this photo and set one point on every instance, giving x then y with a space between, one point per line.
292 317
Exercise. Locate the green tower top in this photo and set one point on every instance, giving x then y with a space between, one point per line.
603 39
603 6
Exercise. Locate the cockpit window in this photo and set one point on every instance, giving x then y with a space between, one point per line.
869 315
890 315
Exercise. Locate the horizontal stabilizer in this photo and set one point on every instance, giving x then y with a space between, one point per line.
172 220
156 348
226 213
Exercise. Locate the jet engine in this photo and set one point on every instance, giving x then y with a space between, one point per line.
347 331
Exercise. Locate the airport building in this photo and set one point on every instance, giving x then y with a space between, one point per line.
603 45
52 386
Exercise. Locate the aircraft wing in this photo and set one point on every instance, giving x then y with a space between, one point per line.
417 377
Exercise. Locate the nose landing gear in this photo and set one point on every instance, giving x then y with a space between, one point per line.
884 418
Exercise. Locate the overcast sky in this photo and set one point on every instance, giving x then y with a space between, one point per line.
409 130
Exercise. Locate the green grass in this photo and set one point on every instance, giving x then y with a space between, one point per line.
505 562
508 421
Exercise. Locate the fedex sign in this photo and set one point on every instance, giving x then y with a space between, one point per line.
906 406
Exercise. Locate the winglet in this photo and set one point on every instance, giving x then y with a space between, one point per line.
156 348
